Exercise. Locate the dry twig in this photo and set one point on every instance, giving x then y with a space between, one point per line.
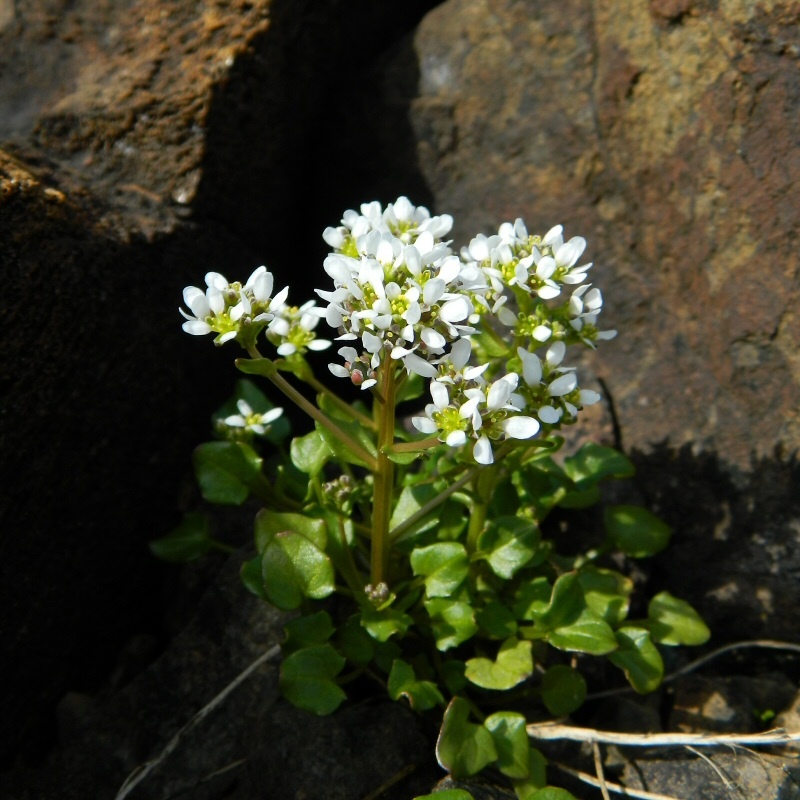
547 730
143 770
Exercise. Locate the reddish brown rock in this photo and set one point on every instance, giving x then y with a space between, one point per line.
666 134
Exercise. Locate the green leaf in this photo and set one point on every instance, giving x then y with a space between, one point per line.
307 676
444 566
497 620
532 599
581 499
447 794
525 788
492 346
541 485
309 453
508 544
413 386
463 748
566 603
270 523
552 793
356 644
638 658
252 577
587 634
636 531
295 568
384 623
453 677
257 366
411 500
403 682
606 592
307 631
452 622
189 541
563 690
513 665
593 462
673 621
511 742
225 471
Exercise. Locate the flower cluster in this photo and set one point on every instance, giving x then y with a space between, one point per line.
471 323
232 310
525 271
398 298
292 330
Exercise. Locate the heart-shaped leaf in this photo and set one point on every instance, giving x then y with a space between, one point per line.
508 544
514 663
511 742
463 748
307 631
403 682
636 531
587 634
452 622
225 471
307 679
309 453
189 541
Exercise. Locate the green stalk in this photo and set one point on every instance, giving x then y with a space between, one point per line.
383 477
482 492
301 402
338 402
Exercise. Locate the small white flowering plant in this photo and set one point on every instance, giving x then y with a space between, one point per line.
409 528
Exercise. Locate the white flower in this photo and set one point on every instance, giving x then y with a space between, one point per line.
250 421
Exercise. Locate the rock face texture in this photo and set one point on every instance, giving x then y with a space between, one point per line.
143 143
666 134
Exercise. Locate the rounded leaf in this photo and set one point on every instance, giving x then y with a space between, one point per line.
636 531
674 621
638 658
563 690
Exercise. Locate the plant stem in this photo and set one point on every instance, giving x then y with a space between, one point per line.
431 504
383 477
301 402
338 402
483 488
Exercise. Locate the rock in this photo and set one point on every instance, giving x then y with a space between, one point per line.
756 776
142 146
250 745
662 132
729 704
